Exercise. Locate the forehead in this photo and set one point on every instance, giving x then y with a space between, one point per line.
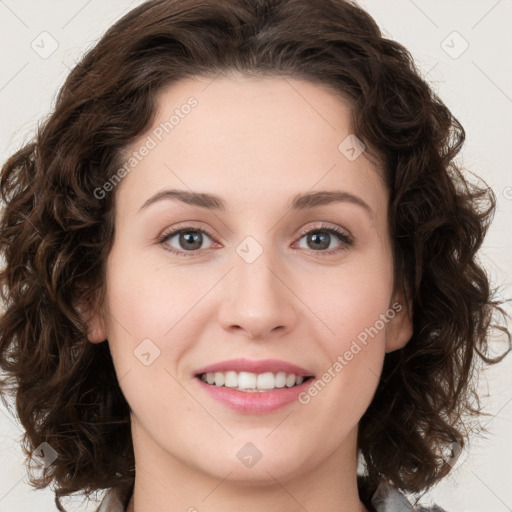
248 137
251 115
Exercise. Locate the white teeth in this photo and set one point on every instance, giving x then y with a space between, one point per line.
247 380
219 379
280 380
231 380
266 380
252 382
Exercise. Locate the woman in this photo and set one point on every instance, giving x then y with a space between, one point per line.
330 306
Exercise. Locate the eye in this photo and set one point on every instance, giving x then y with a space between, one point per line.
188 238
320 238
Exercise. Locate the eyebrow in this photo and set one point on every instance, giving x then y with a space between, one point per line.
299 202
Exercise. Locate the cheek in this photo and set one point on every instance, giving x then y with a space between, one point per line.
355 311
353 357
351 300
146 336
148 300
356 352
145 298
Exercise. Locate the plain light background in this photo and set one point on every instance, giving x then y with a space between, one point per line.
462 47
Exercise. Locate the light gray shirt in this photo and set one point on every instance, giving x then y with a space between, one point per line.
385 499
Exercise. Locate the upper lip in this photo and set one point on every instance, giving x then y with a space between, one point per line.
260 366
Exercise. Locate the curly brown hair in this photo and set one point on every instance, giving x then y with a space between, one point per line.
56 232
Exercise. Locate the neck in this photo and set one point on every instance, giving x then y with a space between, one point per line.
166 483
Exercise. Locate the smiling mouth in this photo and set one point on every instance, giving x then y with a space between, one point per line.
253 382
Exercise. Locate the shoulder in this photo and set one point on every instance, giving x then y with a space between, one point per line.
116 498
386 498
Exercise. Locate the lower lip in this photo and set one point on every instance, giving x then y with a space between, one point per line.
254 403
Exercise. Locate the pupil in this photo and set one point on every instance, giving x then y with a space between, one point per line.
316 237
188 238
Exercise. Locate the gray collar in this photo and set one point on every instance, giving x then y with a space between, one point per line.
385 499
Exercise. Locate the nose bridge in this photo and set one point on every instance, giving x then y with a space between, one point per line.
253 274
258 301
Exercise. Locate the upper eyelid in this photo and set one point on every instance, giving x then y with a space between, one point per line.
324 225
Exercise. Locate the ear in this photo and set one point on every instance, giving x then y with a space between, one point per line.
400 328
94 318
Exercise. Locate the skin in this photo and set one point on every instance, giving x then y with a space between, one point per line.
256 142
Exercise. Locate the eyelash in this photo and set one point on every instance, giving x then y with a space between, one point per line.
346 239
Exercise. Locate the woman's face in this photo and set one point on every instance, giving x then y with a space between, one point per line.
247 281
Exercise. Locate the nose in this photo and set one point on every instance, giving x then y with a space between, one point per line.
258 299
